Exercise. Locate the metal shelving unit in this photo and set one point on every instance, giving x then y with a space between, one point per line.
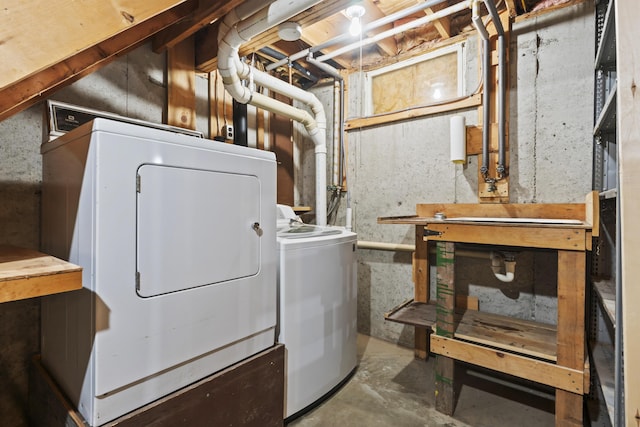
602 335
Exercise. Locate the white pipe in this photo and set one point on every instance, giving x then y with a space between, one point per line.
400 247
497 260
400 28
336 135
237 31
388 19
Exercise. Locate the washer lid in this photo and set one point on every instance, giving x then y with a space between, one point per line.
298 230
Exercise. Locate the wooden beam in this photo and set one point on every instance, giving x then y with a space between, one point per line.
373 13
181 87
38 35
520 366
363 122
445 327
207 12
207 50
28 89
571 333
531 236
420 263
443 25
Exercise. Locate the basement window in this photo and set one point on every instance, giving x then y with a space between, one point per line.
424 80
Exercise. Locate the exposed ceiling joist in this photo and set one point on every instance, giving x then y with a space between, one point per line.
207 50
443 25
35 86
208 11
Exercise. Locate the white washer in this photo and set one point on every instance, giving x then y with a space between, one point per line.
317 310
177 242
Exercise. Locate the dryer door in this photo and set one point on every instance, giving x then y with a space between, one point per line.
195 228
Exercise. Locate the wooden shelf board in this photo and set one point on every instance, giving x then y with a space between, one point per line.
413 313
520 336
25 273
606 291
524 337
410 219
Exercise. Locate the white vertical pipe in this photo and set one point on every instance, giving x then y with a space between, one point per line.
233 70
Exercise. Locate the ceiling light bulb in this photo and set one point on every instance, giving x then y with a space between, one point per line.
356 27
354 13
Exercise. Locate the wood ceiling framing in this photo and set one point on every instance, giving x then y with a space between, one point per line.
47 47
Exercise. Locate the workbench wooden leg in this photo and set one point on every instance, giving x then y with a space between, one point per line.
421 289
445 326
571 331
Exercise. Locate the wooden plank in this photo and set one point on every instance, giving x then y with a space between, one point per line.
249 393
420 262
445 326
519 366
508 333
510 210
181 87
414 313
208 11
26 273
364 122
443 25
37 86
592 212
55 30
571 335
504 234
628 131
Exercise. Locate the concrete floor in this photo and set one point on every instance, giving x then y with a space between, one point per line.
392 388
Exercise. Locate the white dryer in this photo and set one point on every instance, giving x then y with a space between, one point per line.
177 239
317 309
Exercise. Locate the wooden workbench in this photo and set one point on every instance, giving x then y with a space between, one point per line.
552 355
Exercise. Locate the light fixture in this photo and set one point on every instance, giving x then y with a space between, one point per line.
354 13
289 31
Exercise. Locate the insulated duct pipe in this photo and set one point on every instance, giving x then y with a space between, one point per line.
238 27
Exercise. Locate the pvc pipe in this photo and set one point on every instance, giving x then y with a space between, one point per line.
237 31
398 247
400 28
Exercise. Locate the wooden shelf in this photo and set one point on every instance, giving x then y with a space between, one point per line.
502 332
25 273
413 313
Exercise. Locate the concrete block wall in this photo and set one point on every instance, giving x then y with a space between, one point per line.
393 167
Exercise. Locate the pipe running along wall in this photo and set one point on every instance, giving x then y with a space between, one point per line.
239 26
486 103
